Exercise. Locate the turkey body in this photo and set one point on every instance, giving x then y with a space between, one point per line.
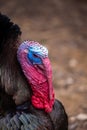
15 90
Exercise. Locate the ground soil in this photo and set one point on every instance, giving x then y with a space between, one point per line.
62 27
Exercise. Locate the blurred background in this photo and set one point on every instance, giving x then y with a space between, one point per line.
60 25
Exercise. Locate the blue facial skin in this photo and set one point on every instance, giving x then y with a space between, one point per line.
33 58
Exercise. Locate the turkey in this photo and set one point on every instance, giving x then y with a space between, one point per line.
27 100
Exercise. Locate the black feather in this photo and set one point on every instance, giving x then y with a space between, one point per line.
8 30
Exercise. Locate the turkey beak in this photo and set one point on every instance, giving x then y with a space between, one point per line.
48 73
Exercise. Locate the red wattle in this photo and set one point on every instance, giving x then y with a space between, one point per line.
41 85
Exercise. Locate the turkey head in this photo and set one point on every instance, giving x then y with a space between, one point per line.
36 66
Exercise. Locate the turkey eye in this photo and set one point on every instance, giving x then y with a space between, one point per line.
35 55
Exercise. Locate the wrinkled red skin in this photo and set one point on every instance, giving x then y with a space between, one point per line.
40 81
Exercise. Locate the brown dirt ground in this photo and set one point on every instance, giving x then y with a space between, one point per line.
62 27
